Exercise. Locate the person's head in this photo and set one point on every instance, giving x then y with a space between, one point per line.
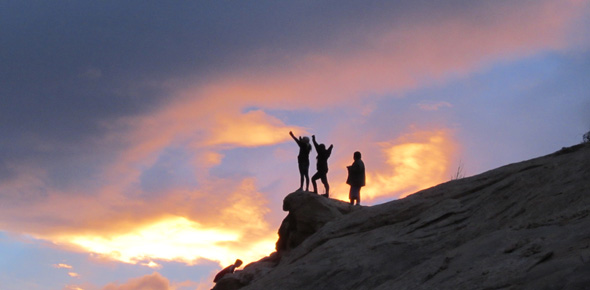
238 263
305 139
322 147
357 155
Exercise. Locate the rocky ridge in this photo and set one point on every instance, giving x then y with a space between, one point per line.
521 226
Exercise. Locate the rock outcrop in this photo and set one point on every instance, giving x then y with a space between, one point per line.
308 212
521 226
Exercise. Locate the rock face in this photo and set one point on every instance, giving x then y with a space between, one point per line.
521 226
308 212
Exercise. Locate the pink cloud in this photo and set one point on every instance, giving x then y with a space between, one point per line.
154 281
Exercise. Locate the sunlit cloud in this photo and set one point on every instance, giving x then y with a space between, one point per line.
62 266
73 274
417 160
220 228
251 129
152 265
172 238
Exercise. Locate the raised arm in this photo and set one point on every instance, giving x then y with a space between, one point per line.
315 144
330 149
293 136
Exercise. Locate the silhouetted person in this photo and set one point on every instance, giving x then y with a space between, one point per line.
356 178
227 270
322 166
303 160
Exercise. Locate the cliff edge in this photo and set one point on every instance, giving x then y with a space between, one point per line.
521 226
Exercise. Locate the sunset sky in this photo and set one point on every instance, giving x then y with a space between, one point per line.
146 143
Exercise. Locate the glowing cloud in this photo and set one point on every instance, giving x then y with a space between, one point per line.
62 266
221 228
173 238
167 239
254 128
414 161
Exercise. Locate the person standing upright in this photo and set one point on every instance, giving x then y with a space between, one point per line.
356 178
322 166
303 159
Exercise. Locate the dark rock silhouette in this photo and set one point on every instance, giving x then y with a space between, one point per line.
521 226
227 270
308 212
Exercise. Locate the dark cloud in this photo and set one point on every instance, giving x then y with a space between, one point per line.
69 67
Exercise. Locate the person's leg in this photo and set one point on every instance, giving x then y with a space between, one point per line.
358 198
313 179
306 175
324 179
354 194
301 176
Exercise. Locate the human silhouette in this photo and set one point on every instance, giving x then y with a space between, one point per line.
303 160
356 178
322 166
227 270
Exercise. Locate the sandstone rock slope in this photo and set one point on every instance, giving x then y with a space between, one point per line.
520 226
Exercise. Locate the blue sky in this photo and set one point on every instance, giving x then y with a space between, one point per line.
147 143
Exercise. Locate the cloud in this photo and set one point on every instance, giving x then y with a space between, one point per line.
62 266
154 281
152 265
251 129
416 160
108 212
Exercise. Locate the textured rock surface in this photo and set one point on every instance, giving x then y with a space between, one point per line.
521 226
308 212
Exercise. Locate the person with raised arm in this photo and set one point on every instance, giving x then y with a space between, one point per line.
322 166
303 159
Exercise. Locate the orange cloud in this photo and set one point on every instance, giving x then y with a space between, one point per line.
154 281
219 228
418 160
414 161
62 266
251 129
